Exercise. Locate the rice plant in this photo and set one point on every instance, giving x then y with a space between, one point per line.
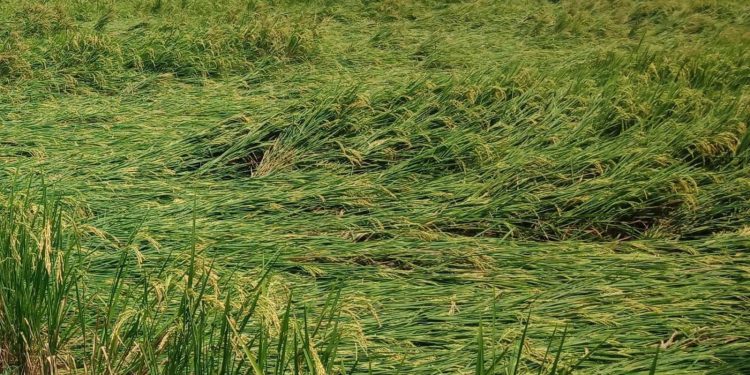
374 187
51 321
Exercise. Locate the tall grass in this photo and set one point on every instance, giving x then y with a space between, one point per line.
52 321
38 274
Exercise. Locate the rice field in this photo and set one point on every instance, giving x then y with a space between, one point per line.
375 187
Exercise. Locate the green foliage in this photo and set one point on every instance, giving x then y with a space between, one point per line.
430 161
51 321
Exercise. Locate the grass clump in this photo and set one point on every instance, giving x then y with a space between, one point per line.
42 19
103 49
13 65
219 48
38 270
52 320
